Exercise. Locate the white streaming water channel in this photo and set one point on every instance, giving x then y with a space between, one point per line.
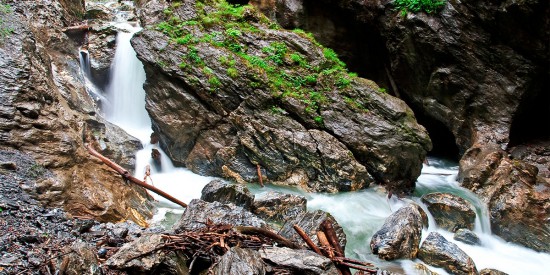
360 213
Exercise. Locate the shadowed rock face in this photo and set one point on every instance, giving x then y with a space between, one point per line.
400 235
44 107
321 133
518 200
439 252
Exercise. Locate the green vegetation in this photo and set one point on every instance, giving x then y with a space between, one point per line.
428 6
277 67
4 31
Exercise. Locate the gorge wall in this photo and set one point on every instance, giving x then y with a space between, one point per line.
44 110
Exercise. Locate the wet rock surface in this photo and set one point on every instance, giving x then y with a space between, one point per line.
225 192
231 127
279 207
439 252
240 261
466 236
400 235
302 261
489 271
198 213
310 223
518 200
450 212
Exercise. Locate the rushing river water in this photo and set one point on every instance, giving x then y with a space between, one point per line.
360 213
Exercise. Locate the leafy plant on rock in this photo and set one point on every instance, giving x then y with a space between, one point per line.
429 6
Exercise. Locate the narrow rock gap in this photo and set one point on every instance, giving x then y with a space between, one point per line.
237 2
531 123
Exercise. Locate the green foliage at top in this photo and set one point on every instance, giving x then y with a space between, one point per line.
4 9
428 6
276 67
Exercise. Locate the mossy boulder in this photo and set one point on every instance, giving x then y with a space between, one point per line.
230 93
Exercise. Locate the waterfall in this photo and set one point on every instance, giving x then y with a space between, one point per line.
125 92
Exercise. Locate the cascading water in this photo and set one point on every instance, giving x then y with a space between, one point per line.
360 213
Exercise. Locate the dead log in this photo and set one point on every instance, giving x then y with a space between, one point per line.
250 230
306 239
126 175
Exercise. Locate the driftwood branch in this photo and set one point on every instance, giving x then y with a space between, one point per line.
328 251
306 239
126 175
249 230
328 229
83 27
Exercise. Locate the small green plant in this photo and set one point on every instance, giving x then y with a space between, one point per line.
233 32
214 81
429 6
318 120
277 110
382 90
185 40
232 72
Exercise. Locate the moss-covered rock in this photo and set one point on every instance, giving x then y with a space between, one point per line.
229 92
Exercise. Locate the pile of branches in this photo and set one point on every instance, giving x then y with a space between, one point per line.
214 240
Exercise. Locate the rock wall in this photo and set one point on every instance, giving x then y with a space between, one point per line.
44 107
229 100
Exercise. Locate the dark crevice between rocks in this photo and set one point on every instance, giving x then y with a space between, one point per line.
360 45
531 122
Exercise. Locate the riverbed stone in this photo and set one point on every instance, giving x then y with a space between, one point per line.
400 235
450 212
300 261
437 251
239 261
225 192
143 256
467 236
310 223
279 207
198 213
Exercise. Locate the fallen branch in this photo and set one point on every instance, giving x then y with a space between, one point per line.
306 239
327 248
126 175
249 230
328 229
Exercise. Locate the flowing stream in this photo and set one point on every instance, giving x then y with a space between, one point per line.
360 213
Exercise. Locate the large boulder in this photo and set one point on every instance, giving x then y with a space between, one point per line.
310 222
225 192
144 256
518 201
450 212
437 251
299 261
229 100
279 207
239 261
43 112
198 213
400 235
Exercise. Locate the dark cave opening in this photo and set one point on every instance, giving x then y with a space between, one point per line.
532 120
443 140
